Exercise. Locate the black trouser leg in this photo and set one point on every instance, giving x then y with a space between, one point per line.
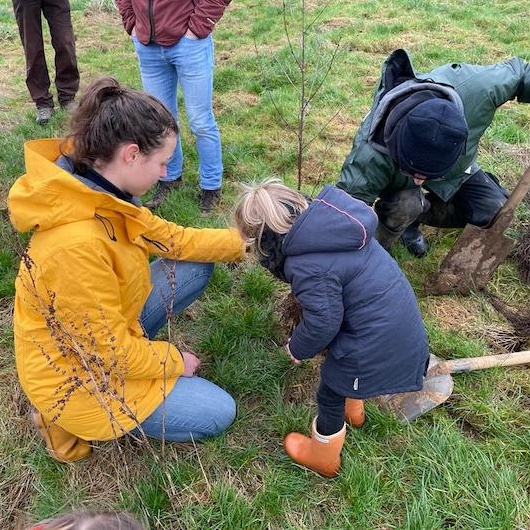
330 419
476 202
57 13
28 17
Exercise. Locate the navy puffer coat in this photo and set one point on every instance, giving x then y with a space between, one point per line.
356 301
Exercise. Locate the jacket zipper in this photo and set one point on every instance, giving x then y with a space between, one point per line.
151 21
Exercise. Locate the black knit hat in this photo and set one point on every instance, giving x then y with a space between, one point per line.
428 138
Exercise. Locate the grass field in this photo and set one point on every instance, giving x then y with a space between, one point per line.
465 465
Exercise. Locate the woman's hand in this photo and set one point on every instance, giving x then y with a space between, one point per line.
294 360
191 363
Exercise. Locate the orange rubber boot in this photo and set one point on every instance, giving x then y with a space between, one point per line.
354 412
61 445
319 453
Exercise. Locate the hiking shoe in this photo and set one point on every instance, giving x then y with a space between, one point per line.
209 199
415 241
162 190
44 114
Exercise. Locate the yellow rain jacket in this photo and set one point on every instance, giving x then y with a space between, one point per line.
82 357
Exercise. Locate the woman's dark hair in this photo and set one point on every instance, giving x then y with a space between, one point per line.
110 115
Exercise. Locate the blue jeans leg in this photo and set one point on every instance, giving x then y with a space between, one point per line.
196 79
189 63
176 284
194 409
160 79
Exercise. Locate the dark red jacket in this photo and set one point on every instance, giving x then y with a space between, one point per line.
166 21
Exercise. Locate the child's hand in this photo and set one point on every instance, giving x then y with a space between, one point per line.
191 363
293 359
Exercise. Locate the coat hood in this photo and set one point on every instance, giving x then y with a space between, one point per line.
333 222
48 195
400 84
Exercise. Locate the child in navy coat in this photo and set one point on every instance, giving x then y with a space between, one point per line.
356 303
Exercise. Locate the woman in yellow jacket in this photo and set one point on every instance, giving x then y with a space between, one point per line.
88 303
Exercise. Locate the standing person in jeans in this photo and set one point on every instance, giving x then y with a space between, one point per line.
174 46
29 21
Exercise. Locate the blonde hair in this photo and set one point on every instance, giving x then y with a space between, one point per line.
269 204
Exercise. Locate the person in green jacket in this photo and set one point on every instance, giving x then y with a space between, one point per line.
415 155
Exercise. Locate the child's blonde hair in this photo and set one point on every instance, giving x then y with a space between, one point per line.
269 204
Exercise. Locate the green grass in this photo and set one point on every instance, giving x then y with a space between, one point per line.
463 465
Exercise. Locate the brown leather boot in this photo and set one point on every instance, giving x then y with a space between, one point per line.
319 453
354 412
61 445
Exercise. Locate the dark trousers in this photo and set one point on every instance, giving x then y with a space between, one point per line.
476 202
330 419
57 14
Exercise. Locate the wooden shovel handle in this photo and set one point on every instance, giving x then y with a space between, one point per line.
455 366
505 214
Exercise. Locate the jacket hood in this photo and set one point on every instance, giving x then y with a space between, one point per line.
333 222
399 84
48 195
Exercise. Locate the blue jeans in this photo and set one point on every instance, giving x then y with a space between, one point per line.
195 408
189 63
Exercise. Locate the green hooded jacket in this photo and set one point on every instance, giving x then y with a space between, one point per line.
368 170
